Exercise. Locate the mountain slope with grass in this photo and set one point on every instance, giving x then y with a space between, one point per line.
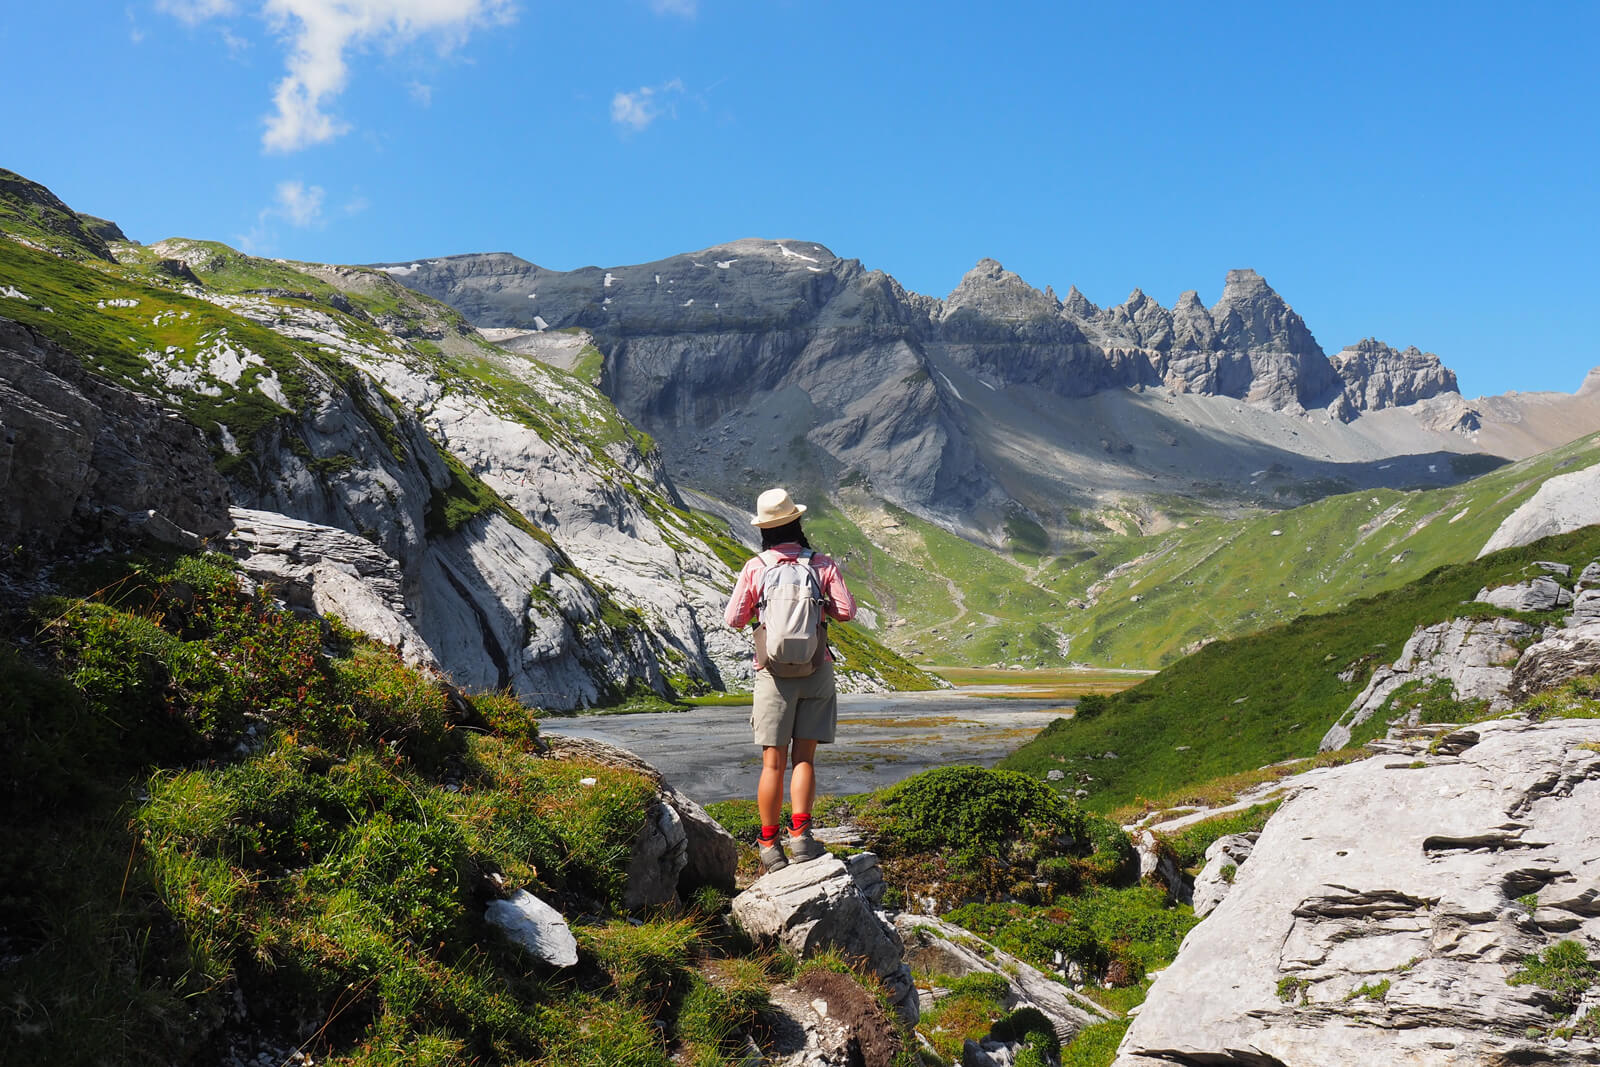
537 543
1237 707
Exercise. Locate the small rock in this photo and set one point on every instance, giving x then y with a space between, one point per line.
536 926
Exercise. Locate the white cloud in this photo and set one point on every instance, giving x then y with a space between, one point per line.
638 109
422 93
193 11
683 8
319 34
294 202
298 204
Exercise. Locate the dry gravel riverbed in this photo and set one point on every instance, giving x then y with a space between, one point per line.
707 753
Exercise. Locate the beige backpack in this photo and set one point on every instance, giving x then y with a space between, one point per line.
791 639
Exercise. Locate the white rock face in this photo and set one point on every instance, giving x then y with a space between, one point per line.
812 906
1477 656
330 572
1565 502
1223 860
536 926
1434 880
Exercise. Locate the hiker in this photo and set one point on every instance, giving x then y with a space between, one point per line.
791 590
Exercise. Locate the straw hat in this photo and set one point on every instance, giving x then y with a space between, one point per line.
774 508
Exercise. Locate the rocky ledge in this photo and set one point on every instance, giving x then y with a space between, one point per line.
1386 905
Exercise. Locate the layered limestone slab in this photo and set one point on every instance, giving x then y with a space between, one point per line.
1384 907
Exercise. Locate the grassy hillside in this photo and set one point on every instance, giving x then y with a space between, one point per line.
1239 705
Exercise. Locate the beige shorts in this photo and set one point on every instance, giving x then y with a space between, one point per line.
786 708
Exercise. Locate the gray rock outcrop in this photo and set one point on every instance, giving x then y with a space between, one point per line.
1384 908
1539 594
328 571
1585 608
1556 657
1223 859
1476 656
1377 376
809 907
82 458
1563 503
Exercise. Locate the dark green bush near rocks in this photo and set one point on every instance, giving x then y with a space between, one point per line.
966 833
977 811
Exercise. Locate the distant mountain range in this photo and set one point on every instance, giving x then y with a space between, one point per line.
763 360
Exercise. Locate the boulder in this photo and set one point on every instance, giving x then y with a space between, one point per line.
329 571
1158 863
1565 502
1590 576
814 906
536 926
935 946
1585 608
1476 655
1540 594
660 854
1558 656
1223 860
1386 905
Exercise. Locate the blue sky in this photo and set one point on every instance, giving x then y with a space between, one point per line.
1422 173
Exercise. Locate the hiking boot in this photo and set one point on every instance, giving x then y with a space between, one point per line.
772 857
804 847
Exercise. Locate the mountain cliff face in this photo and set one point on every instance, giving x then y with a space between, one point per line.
768 359
533 540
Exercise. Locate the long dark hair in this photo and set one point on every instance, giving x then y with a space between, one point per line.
788 533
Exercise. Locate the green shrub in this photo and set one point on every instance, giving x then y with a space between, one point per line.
1029 1026
1563 970
981 984
971 810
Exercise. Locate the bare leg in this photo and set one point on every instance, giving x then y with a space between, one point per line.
769 791
803 780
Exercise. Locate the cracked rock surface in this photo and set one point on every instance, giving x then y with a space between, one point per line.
1385 905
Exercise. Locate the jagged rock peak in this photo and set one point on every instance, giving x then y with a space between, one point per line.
991 290
1377 376
1079 306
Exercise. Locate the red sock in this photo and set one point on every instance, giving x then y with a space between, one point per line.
799 822
769 834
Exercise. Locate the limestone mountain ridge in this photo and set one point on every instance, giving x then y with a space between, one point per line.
779 358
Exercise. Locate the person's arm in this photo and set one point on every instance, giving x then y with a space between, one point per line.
742 604
841 605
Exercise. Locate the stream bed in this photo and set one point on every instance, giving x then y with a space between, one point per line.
707 754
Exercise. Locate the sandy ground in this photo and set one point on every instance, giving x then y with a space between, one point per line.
707 752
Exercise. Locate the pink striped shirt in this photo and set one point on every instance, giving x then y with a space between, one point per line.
742 605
